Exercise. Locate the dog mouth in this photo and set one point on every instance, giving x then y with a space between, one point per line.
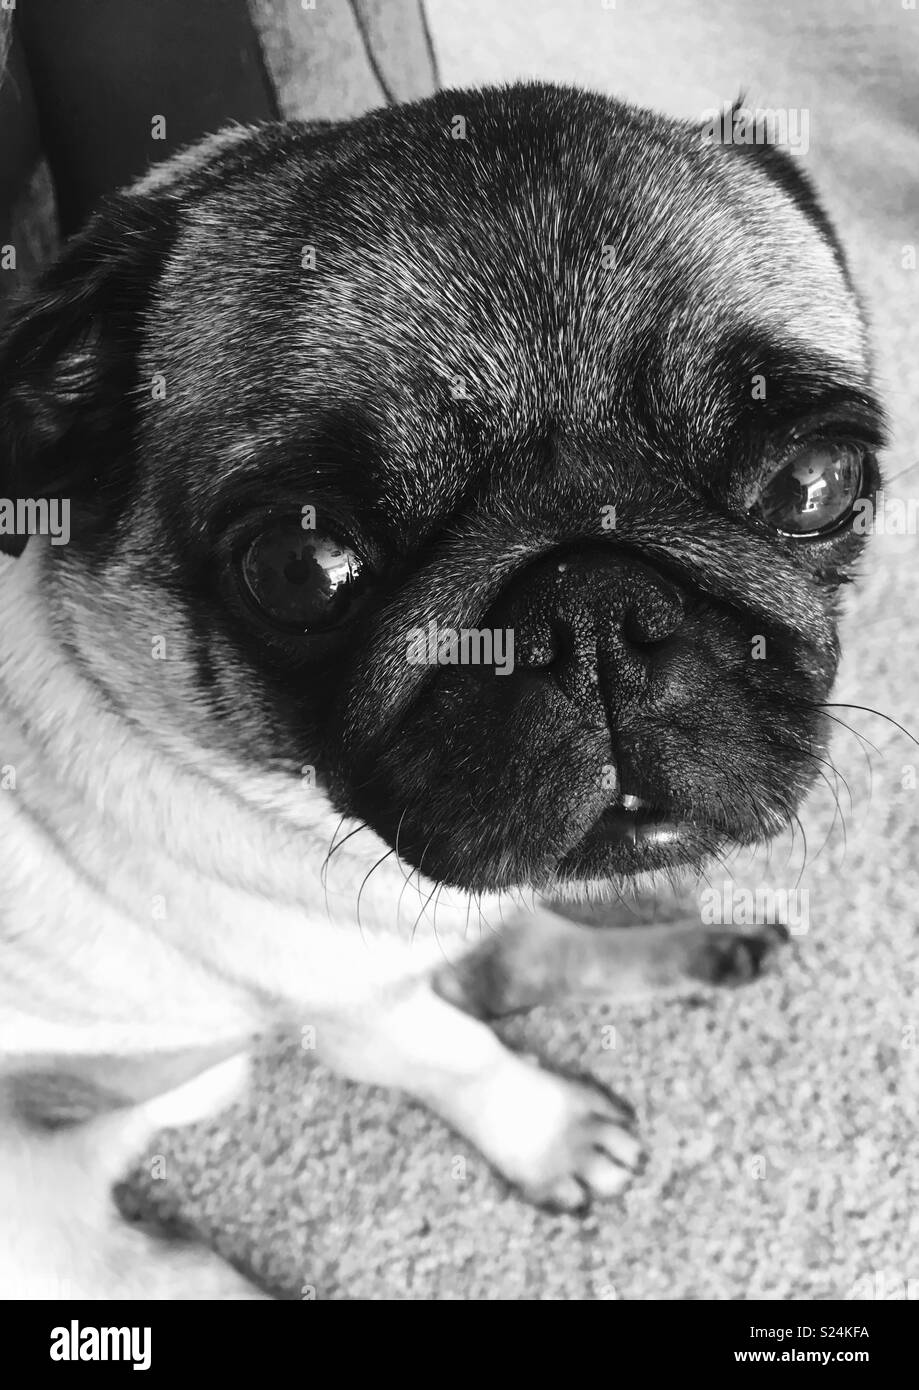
631 820
632 835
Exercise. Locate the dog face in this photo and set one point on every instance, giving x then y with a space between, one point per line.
575 379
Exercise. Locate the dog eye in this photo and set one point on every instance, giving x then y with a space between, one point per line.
301 580
812 493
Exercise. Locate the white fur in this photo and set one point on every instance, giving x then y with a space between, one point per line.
106 820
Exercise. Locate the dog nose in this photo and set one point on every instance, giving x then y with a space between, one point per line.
602 624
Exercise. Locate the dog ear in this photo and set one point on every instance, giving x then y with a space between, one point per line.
68 353
781 166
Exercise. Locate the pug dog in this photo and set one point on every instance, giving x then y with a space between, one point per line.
459 502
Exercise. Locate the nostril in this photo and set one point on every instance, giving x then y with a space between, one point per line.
574 636
640 633
536 654
538 646
555 641
652 619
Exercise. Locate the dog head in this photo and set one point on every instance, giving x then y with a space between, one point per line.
494 457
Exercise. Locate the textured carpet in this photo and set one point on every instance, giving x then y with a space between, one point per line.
781 1118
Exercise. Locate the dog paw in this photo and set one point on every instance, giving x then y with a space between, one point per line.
733 957
563 1142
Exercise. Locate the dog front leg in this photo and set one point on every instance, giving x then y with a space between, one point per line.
547 959
560 1140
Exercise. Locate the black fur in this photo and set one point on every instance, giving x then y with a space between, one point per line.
478 259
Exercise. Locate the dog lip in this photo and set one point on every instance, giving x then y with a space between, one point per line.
638 823
628 837
633 820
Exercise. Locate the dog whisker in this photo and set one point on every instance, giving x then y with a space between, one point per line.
382 860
